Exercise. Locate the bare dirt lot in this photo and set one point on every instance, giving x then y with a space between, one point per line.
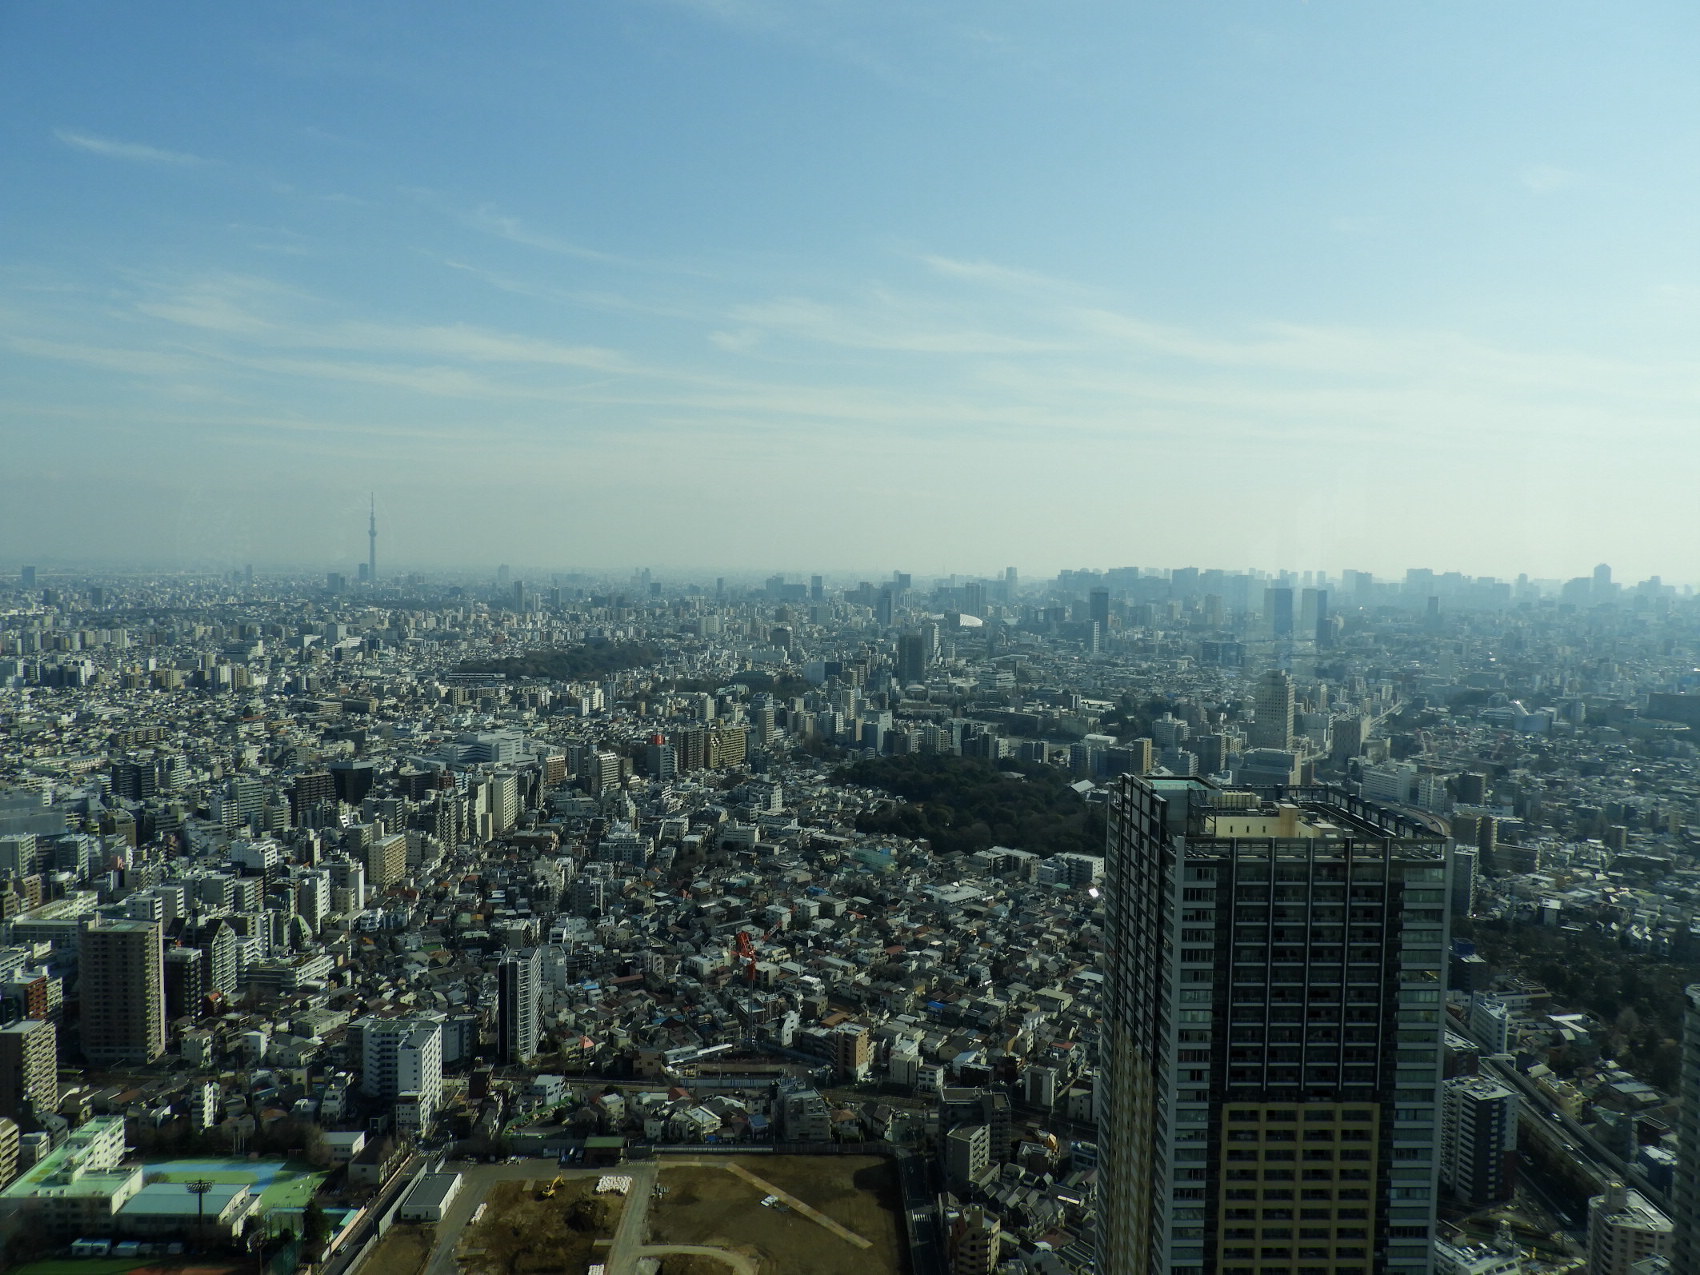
402 1251
710 1205
522 1233
691 1264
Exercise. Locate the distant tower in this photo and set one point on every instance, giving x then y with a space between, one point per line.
1273 700
372 543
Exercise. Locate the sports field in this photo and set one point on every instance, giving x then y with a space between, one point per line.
280 1184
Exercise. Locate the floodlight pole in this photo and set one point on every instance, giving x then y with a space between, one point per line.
200 1187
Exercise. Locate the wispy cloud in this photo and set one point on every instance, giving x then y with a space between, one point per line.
886 325
273 316
493 221
991 274
135 152
1545 179
955 351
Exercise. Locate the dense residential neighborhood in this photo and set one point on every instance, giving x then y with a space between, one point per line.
463 869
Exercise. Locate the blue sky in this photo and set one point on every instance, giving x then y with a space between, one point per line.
799 285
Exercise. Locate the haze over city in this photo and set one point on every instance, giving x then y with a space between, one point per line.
809 286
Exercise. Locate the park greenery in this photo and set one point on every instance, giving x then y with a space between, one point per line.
963 804
586 661
1637 997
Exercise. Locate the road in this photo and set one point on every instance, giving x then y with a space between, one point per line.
353 1247
1546 1194
926 1251
624 1252
1582 1144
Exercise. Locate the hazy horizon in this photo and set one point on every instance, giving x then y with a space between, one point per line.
835 578
747 280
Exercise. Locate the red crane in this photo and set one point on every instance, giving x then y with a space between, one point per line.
747 953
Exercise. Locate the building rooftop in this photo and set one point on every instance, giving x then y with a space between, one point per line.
1295 815
175 1199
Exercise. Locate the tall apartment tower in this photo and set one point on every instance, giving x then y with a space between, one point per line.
1478 1140
402 1061
517 979
1270 1053
123 991
29 1068
1273 700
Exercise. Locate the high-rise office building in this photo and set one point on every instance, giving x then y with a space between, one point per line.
122 966
912 658
885 608
1098 609
1273 702
1270 1052
352 780
517 978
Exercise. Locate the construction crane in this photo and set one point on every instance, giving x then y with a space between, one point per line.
747 954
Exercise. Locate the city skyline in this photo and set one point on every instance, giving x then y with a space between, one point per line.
1283 283
1182 922
1412 582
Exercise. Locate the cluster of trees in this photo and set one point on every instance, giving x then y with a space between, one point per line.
1638 996
585 662
963 804
177 1138
781 685
1131 717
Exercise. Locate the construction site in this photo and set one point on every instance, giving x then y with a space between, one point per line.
549 1226
829 1215
675 1215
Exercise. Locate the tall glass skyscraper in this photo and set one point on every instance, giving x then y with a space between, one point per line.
1271 1048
